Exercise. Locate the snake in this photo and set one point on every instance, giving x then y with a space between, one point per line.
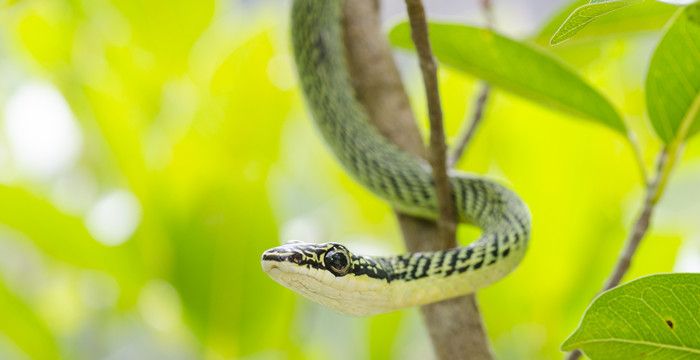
362 285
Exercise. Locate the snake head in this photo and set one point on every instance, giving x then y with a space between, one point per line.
328 274
304 258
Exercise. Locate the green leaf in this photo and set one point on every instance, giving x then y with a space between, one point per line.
655 317
514 66
585 14
644 17
673 80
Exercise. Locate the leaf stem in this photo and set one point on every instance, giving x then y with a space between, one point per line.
675 147
639 159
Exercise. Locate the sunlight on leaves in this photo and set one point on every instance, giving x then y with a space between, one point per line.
644 17
673 80
516 67
195 153
679 2
585 14
655 317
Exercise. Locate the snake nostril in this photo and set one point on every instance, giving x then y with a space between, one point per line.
268 256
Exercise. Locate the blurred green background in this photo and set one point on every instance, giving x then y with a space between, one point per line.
151 150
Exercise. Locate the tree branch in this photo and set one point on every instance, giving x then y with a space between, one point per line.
640 228
655 189
466 135
437 157
455 326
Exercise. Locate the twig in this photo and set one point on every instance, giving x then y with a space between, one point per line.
466 135
455 326
655 190
641 225
437 155
487 9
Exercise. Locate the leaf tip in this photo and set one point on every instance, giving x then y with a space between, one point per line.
556 39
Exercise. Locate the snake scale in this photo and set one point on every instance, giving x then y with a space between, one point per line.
364 285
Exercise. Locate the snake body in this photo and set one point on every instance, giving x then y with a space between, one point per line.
363 285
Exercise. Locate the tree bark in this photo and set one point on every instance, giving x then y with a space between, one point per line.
455 325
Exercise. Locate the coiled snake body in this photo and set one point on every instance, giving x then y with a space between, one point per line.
363 285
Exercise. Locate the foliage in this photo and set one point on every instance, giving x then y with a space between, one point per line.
673 80
192 109
516 67
586 14
655 317
621 323
644 16
672 95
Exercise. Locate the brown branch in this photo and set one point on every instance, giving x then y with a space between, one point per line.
639 230
466 135
455 326
437 157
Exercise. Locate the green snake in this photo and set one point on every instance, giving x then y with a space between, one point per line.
364 285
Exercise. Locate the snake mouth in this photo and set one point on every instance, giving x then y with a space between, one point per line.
270 261
277 259
269 266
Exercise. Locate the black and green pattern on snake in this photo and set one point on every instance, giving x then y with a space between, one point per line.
363 285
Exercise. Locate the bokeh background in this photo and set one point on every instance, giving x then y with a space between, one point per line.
151 150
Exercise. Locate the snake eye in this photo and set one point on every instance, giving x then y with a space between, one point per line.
337 261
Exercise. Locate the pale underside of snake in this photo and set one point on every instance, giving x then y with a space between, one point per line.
364 285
